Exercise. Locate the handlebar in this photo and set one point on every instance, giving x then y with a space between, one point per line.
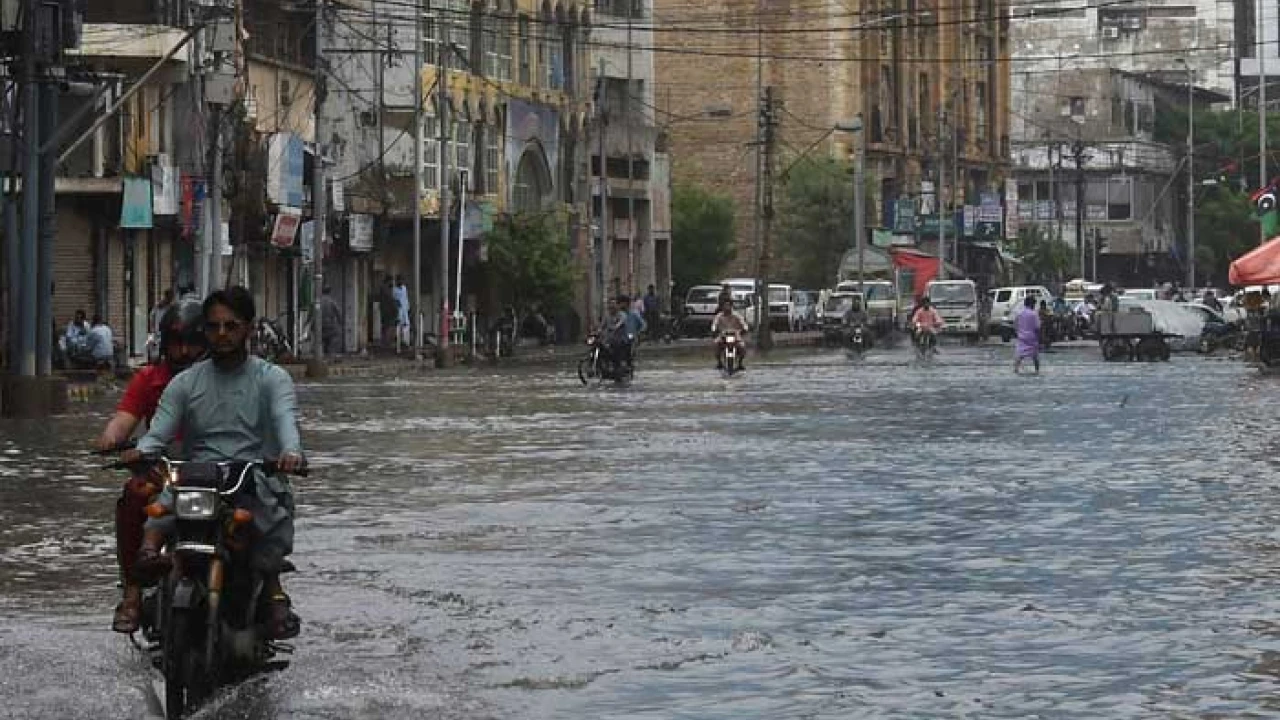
270 467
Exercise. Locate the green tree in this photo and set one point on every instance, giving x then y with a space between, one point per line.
815 223
702 235
1046 260
1226 228
531 261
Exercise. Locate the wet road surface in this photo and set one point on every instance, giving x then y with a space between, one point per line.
809 540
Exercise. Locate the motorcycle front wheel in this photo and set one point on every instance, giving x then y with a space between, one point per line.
586 370
184 687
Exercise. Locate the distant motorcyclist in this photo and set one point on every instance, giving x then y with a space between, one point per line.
617 332
1110 299
926 318
1211 300
727 321
182 342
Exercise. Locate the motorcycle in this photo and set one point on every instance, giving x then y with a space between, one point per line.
925 343
599 365
269 341
206 621
859 342
731 352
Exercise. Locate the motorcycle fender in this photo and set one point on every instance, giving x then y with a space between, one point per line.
186 595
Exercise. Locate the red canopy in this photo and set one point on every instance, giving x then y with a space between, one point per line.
1260 266
925 267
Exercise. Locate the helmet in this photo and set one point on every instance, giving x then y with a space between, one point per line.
183 321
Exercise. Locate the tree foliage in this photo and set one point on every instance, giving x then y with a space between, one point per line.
1225 229
1044 259
815 223
702 235
531 261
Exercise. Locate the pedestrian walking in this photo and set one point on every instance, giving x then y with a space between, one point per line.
401 294
1027 325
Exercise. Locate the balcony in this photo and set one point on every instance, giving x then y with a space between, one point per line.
127 41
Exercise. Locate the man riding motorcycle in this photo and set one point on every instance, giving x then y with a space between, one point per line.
621 327
925 320
727 321
181 344
233 407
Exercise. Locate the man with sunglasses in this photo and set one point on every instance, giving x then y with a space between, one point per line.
234 407
181 344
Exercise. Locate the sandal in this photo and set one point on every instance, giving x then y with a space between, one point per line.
282 623
127 617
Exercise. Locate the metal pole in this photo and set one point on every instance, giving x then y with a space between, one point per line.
1077 149
1261 49
48 232
30 207
12 239
213 239
1055 228
418 152
859 198
766 221
1191 180
319 191
462 217
446 151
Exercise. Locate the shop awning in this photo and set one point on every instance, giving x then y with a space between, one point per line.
1260 266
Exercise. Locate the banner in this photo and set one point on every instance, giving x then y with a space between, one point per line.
1012 210
135 206
285 229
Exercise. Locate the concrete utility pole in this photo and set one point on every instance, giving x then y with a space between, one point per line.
942 216
859 197
48 231
1077 153
1260 48
1191 178
319 196
26 359
631 194
418 152
446 151
606 252
768 123
213 238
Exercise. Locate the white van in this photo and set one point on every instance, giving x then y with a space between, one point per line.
780 304
743 291
1006 301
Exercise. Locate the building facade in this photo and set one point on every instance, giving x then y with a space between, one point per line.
634 249
929 79
504 99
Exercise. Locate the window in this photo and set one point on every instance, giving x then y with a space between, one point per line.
491 35
502 39
462 147
457 13
980 113
568 67
430 147
1120 198
492 158
924 110
430 40
525 76
555 60
544 63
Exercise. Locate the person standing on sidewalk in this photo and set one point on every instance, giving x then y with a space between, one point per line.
652 312
330 322
387 312
402 311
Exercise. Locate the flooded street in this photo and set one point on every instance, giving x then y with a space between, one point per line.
810 540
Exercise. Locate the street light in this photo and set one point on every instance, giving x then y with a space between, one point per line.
859 190
1191 176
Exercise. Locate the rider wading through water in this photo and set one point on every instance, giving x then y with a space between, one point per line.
232 407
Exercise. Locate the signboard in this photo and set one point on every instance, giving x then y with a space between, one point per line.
285 228
284 169
338 193
135 206
927 205
360 232
970 220
164 189
192 204
904 220
224 240
881 238
1096 213
307 241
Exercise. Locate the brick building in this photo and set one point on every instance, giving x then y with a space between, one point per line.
902 64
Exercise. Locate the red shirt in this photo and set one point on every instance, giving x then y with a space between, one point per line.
142 396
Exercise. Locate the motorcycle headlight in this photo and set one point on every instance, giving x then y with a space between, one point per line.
198 504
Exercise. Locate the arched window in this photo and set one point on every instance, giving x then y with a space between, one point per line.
533 181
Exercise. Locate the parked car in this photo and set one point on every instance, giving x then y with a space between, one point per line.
699 310
804 309
1217 331
780 306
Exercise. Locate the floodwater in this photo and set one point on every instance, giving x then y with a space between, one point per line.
812 539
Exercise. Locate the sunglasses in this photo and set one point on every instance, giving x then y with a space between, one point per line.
231 326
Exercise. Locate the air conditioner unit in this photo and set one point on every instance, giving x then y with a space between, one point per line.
1111 32
1131 23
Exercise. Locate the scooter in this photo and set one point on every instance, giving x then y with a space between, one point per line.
731 352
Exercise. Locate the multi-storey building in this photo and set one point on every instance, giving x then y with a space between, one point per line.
510 132
929 78
636 248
